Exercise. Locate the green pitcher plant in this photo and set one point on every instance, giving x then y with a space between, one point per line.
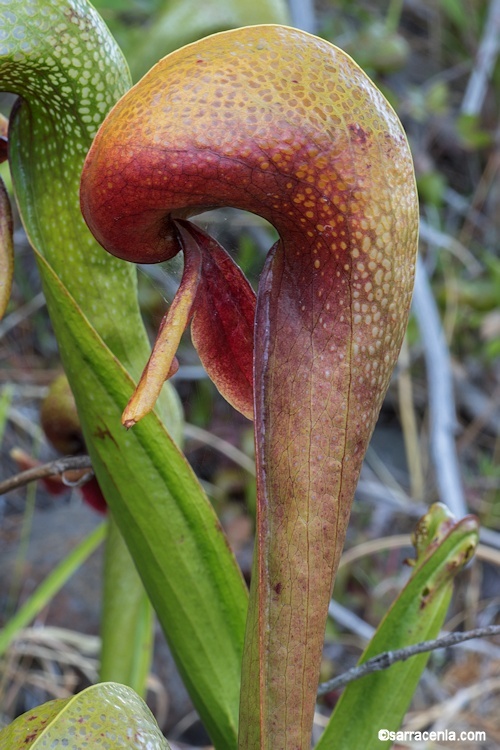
280 123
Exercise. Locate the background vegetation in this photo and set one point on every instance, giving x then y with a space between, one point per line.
436 61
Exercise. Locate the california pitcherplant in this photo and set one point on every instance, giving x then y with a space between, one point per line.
285 125
282 124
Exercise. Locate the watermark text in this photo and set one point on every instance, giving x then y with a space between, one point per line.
440 735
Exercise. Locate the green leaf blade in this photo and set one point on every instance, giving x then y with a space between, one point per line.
59 56
443 546
169 525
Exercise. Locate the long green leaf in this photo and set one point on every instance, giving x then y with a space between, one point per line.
59 56
169 525
380 700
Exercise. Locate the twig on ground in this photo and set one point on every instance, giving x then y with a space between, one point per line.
490 537
350 621
54 468
218 444
443 712
441 399
482 408
388 658
23 312
462 206
409 425
373 491
440 239
485 61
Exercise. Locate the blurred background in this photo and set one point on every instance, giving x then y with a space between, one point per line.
438 437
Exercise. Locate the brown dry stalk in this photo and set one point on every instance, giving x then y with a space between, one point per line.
72 469
388 658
